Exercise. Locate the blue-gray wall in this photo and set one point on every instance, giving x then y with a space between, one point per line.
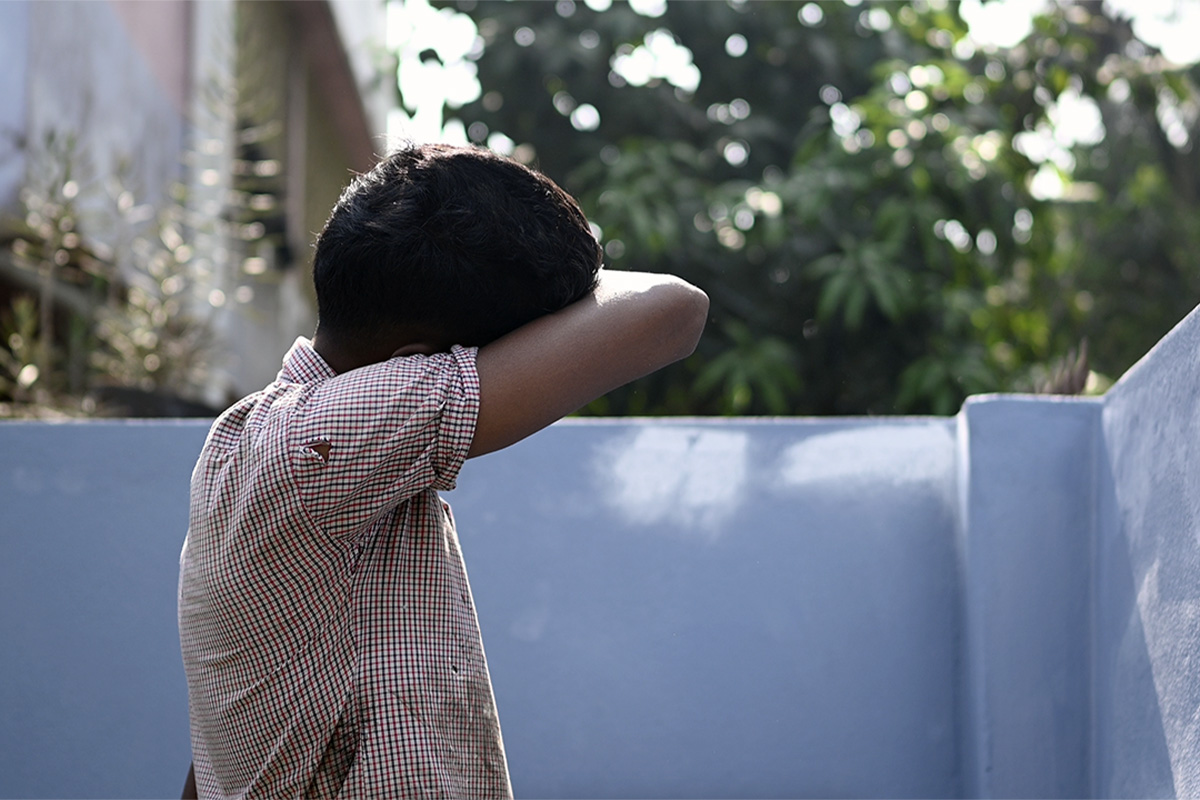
1028 500
1147 650
721 608
91 683
1001 604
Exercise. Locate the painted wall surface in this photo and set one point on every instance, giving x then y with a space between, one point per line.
1026 543
705 609
91 682
1148 643
697 609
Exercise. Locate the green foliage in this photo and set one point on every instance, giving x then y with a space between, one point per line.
860 191
22 350
753 369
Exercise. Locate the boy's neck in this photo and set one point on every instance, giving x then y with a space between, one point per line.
336 357
342 359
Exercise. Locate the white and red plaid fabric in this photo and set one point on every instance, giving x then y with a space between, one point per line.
329 636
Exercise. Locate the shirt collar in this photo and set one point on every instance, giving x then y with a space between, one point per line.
302 364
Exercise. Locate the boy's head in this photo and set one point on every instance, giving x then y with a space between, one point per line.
449 245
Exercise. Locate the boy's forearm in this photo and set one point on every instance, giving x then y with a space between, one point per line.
630 325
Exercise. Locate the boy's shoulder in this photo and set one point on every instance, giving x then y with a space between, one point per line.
403 400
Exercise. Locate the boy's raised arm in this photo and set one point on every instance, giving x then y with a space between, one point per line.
632 324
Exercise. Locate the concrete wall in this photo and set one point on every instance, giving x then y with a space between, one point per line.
669 609
998 605
90 677
1028 499
1148 583
719 608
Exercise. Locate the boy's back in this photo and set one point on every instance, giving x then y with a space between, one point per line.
329 637
332 644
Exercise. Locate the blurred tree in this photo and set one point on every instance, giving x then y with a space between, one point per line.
886 217
90 323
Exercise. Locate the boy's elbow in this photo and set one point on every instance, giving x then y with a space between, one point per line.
690 318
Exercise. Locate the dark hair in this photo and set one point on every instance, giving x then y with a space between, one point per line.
454 244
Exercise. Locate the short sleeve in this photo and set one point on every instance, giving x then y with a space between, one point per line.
367 440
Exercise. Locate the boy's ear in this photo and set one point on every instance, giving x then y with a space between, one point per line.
417 348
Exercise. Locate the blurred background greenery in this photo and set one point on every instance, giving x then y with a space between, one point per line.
888 215
892 205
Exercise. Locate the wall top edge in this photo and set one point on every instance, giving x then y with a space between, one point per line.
109 422
763 420
857 420
582 422
1033 399
1179 341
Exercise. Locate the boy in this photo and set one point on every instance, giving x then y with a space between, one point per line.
328 633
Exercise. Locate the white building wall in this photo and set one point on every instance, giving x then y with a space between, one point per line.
14 65
363 28
87 77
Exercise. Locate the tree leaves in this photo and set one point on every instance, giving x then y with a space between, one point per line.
846 188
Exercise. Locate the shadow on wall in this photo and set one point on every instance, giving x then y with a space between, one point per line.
1132 757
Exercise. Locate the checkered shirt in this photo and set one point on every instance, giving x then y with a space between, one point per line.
329 636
